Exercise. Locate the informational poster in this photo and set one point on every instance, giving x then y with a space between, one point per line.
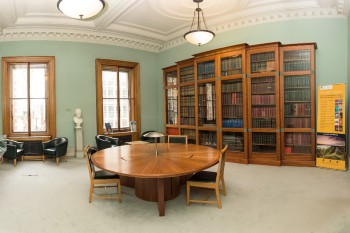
331 130
331 109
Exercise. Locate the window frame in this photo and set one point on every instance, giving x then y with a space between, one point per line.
134 91
6 95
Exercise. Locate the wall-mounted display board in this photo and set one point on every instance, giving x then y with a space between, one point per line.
331 129
257 99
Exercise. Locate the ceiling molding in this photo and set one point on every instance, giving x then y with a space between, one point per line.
121 36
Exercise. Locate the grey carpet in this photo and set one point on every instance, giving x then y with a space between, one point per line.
37 197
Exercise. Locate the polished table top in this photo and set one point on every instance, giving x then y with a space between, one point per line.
141 161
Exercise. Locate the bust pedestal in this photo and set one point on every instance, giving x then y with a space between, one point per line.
79 152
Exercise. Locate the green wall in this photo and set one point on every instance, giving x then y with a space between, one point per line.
75 80
75 66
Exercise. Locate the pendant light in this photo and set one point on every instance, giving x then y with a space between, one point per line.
198 36
80 9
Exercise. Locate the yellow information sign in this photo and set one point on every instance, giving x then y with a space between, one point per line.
331 109
331 130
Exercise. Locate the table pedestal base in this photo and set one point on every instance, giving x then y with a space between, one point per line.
147 189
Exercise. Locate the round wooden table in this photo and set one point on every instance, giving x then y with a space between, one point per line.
157 177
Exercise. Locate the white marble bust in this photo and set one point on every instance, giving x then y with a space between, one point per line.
78 120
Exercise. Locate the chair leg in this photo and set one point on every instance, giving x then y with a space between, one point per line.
223 185
217 192
91 190
22 157
188 187
15 162
119 192
43 158
57 161
65 158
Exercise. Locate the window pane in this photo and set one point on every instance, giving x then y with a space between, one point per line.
124 113
20 116
38 76
37 115
109 84
18 75
110 112
124 84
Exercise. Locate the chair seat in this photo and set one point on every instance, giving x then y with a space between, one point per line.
105 175
20 152
204 176
50 151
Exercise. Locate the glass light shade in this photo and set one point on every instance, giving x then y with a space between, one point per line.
199 37
154 135
80 9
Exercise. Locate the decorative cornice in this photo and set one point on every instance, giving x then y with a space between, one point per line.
264 18
153 45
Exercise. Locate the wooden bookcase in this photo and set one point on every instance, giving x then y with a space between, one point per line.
259 100
297 68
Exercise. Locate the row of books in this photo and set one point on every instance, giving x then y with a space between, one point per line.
232 98
188 121
270 79
206 69
191 133
264 112
300 95
299 109
232 123
203 112
231 72
235 142
296 65
187 111
187 90
187 100
296 55
232 111
208 138
264 149
297 149
264 123
264 138
266 56
203 100
187 78
171 80
264 66
297 122
206 123
231 87
297 139
297 81
263 99
209 88
231 63
188 70
263 88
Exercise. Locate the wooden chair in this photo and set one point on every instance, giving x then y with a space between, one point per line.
209 180
177 139
101 179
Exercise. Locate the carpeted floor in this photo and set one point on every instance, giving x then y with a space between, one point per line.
37 197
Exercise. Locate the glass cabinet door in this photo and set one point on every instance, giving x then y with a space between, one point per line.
232 103
187 103
207 104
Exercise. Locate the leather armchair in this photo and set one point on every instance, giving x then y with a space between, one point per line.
103 142
14 150
55 148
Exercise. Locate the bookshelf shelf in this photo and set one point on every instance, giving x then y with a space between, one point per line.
259 100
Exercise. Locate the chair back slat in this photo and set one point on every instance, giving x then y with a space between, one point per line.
88 154
177 139
221 166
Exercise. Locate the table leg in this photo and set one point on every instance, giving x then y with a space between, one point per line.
161 197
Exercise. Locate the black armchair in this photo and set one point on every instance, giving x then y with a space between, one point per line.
14 150
55 148
103 142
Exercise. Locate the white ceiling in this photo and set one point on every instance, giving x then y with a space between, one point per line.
152 25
